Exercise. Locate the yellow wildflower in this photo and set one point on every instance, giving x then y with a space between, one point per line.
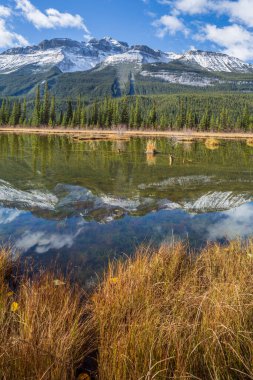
10 294
14 307
59 283
114 280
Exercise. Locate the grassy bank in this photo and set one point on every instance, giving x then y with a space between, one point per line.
124 134
165 314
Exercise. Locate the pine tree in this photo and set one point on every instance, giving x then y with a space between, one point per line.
223 119
3 113
45 112
132 116
23 113
204 124
14 115
52 114
213 125
245 118
137 114
116 115
83 117
69 114
37 109
163 122
78 111
59 122
190 119
153 116
64 120
124 117
94 113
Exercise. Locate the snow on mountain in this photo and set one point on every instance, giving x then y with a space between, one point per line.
33 199
71 56
138 54
212 61
66 54
215 201
184 78
132 56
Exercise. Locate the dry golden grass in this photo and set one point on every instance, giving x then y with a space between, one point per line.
166 314
151 159
151 147
174 315
249 142
212 143
44 329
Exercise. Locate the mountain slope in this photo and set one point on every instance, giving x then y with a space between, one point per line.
107 66
66 54
212 61
70 56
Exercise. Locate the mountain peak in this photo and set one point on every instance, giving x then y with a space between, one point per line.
215 61
108 43
70 55
205 52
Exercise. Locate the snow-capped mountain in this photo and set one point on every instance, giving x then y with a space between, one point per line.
66 54
72 56
212 61
138 54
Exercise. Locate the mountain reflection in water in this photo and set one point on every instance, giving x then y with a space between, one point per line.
89 202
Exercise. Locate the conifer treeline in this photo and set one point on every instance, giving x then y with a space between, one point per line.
211 112
43 113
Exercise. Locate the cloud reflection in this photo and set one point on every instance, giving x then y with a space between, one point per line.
43 242
9 215
232 224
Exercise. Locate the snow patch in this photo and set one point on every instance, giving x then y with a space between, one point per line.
217 201
26 199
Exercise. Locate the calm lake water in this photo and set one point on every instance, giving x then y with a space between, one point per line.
90 201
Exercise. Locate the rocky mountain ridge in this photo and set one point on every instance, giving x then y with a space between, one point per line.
72 56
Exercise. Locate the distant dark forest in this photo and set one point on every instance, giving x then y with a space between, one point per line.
200 111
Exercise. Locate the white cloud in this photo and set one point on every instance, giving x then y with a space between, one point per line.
189 6
8 38
239 11
234 39
170 24
5 11
51 19
192 6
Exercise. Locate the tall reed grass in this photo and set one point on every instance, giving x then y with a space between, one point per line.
176 315
163 314
44 328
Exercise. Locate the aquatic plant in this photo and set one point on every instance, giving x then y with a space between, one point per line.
151 147
249 142
151 159
212 143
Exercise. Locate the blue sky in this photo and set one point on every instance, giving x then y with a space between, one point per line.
169 25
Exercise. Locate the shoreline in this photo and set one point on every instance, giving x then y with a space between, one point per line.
115 134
